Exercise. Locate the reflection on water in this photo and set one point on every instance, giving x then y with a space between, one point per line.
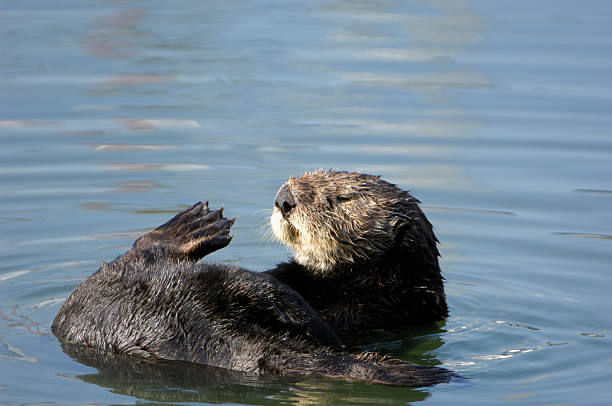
16 318
116 35
174 381
155 167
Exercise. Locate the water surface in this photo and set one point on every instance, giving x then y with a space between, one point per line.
496 115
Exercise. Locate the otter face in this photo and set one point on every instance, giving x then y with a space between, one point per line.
335 219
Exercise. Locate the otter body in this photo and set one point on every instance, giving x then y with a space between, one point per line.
365 254
209 314
156 301
353 300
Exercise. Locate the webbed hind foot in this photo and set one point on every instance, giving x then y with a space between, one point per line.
190 235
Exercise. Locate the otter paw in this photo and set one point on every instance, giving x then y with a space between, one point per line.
191 234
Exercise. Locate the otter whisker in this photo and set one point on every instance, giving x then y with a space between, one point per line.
263 210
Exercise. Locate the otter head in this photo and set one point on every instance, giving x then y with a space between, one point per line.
337 220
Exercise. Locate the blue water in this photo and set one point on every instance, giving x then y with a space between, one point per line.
495 114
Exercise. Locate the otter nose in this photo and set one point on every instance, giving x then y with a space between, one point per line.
284 200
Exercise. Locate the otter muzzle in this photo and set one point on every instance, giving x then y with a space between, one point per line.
284 200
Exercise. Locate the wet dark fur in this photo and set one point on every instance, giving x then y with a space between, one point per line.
155 301
397 285
362 299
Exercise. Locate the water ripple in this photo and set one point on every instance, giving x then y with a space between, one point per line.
586 235
507 354
133 147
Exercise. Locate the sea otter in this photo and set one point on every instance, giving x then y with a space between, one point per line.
365 254
157 301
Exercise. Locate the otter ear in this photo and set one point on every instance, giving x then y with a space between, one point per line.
407 236
401 233
412 237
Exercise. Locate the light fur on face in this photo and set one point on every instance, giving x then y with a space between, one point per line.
341 218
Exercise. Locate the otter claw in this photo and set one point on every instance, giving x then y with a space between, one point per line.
197 208
192 233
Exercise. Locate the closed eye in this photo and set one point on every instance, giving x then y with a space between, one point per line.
341 199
